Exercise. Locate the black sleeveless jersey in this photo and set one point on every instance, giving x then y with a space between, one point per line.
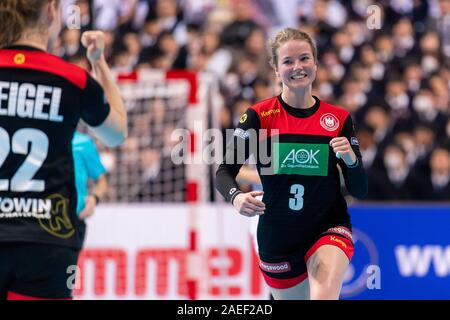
42 99
298 170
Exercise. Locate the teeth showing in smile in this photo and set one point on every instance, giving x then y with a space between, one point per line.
299 76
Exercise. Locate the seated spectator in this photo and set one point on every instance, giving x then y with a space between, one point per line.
384 48
236 33
392 182
397 99
406 139
426 111
353 97
413 75
441 91
431 57
403 39
425 140
441 24
381 121
71 43
435 185
367 145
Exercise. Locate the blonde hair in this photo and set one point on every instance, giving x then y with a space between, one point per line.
16 16
286 35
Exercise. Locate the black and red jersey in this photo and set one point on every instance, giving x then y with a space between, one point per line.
298 169
42 98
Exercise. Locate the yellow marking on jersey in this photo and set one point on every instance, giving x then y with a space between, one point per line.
19 58
59 224
243 118
270 112
342 243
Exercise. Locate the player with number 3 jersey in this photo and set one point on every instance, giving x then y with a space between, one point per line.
304 231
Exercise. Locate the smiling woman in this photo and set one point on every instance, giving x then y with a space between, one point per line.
294 58
304 230
287 35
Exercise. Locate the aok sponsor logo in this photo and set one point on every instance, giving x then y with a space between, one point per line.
301 158
270 112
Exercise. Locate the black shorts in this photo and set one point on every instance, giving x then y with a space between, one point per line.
288 271
31 270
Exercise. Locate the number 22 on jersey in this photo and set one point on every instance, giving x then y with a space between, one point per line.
22 180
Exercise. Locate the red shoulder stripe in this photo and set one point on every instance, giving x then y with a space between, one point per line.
41 61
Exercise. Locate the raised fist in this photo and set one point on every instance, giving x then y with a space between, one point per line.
94 41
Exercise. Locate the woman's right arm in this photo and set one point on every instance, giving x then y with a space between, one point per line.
237 152
113 130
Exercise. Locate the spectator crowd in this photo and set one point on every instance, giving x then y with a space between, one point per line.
394 78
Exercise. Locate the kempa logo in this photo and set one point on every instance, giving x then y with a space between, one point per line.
270 112
342 243
302 159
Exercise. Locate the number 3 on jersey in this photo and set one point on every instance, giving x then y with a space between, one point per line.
296 203
22 180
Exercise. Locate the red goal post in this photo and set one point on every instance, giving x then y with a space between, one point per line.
192 104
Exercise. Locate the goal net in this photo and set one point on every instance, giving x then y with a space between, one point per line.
164 110
160 163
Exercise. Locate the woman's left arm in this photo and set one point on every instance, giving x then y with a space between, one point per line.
346 147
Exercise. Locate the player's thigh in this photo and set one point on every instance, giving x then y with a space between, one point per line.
286 276
46 271
330 255
327 265
297 292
